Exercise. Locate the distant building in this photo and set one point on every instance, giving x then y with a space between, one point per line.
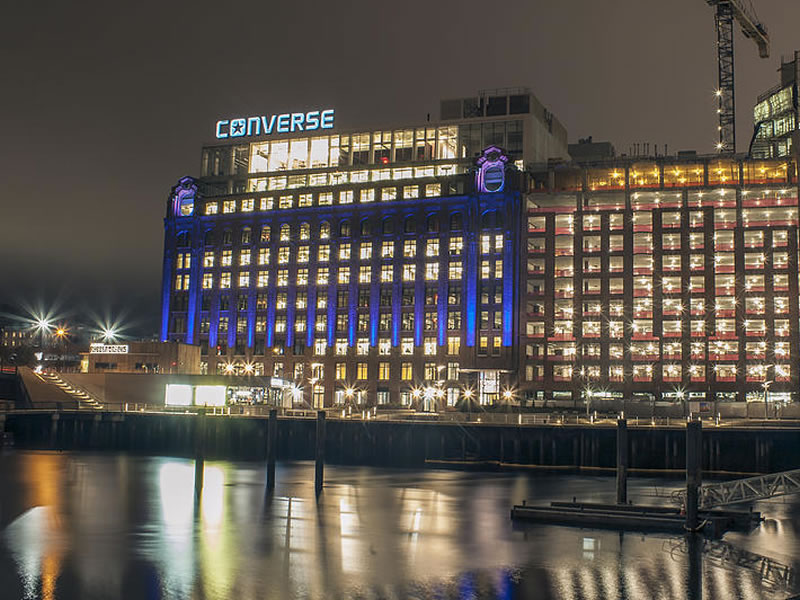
14 336
776 117
588 151
142 357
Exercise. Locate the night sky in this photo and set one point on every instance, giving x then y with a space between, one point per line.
105 106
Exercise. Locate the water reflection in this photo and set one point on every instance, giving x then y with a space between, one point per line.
84 526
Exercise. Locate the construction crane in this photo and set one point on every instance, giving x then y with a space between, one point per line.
726 12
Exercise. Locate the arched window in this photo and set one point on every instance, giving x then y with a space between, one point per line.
456 222
208 238
433 224
184 239
365 228
266 233
247 236
388 226
305 231
410 226
285 232
324 230
344 229
487 220
227 237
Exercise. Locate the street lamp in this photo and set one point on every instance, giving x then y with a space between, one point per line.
61 333
468 393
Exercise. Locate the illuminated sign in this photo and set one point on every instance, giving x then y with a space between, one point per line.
491 176
266 125
108 349
183 197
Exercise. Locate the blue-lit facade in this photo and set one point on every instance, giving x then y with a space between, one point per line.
377 268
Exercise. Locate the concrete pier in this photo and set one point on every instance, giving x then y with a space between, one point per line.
622 461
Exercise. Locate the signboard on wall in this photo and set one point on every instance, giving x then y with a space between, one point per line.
108 349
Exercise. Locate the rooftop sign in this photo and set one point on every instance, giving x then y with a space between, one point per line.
266 125
108 349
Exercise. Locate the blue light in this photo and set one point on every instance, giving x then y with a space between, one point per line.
220 133
282 123
238 127
471 300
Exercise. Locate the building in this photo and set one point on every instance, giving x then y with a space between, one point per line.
350 262
15 336
661 279
426 265
141 357
776 118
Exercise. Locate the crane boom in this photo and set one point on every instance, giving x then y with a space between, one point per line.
726 12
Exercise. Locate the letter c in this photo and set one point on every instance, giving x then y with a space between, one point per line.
220 125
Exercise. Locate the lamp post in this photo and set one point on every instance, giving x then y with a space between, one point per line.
468 397
61 332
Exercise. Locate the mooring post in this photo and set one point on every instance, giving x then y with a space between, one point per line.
622 461
54 419
694 448
199 450
272 447
320 452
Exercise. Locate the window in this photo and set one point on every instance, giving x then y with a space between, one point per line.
340 348
409 272
285 233
283 277
406 371
283 255
432 248
384 347
407 346
386 273
367 195
344 275
410 248
384 372
344 252
432 271
387 250
225 281
389 193
208 281
453 345
429 346
320 346
362 346
366 251
364 274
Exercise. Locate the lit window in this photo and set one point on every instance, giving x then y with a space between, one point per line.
227 258
341 347
407 346
486 271
208 259
344 251
498 268
212 208
387 250
362 346
244 258
305 200
384 347
285 202
325 199
208 281
409 272
364 274
228 207
486 243
263 279
432 248
367 195
410 248
410 192
389 193
248 205
406 371
361 371
283 277
456 245
320 346
344 275
498 242
225 281
453 345
244 280
366 251
322 276
387 273
341 371
433 190
266 203
323 255
432 271
302 276
321 322
285 233
384 371
429 346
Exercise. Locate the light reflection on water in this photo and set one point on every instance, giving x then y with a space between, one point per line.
113 526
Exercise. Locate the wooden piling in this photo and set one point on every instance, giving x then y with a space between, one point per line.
199 452
694 450
622 461
320 452
272 447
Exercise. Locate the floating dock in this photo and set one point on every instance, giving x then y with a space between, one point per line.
633 517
